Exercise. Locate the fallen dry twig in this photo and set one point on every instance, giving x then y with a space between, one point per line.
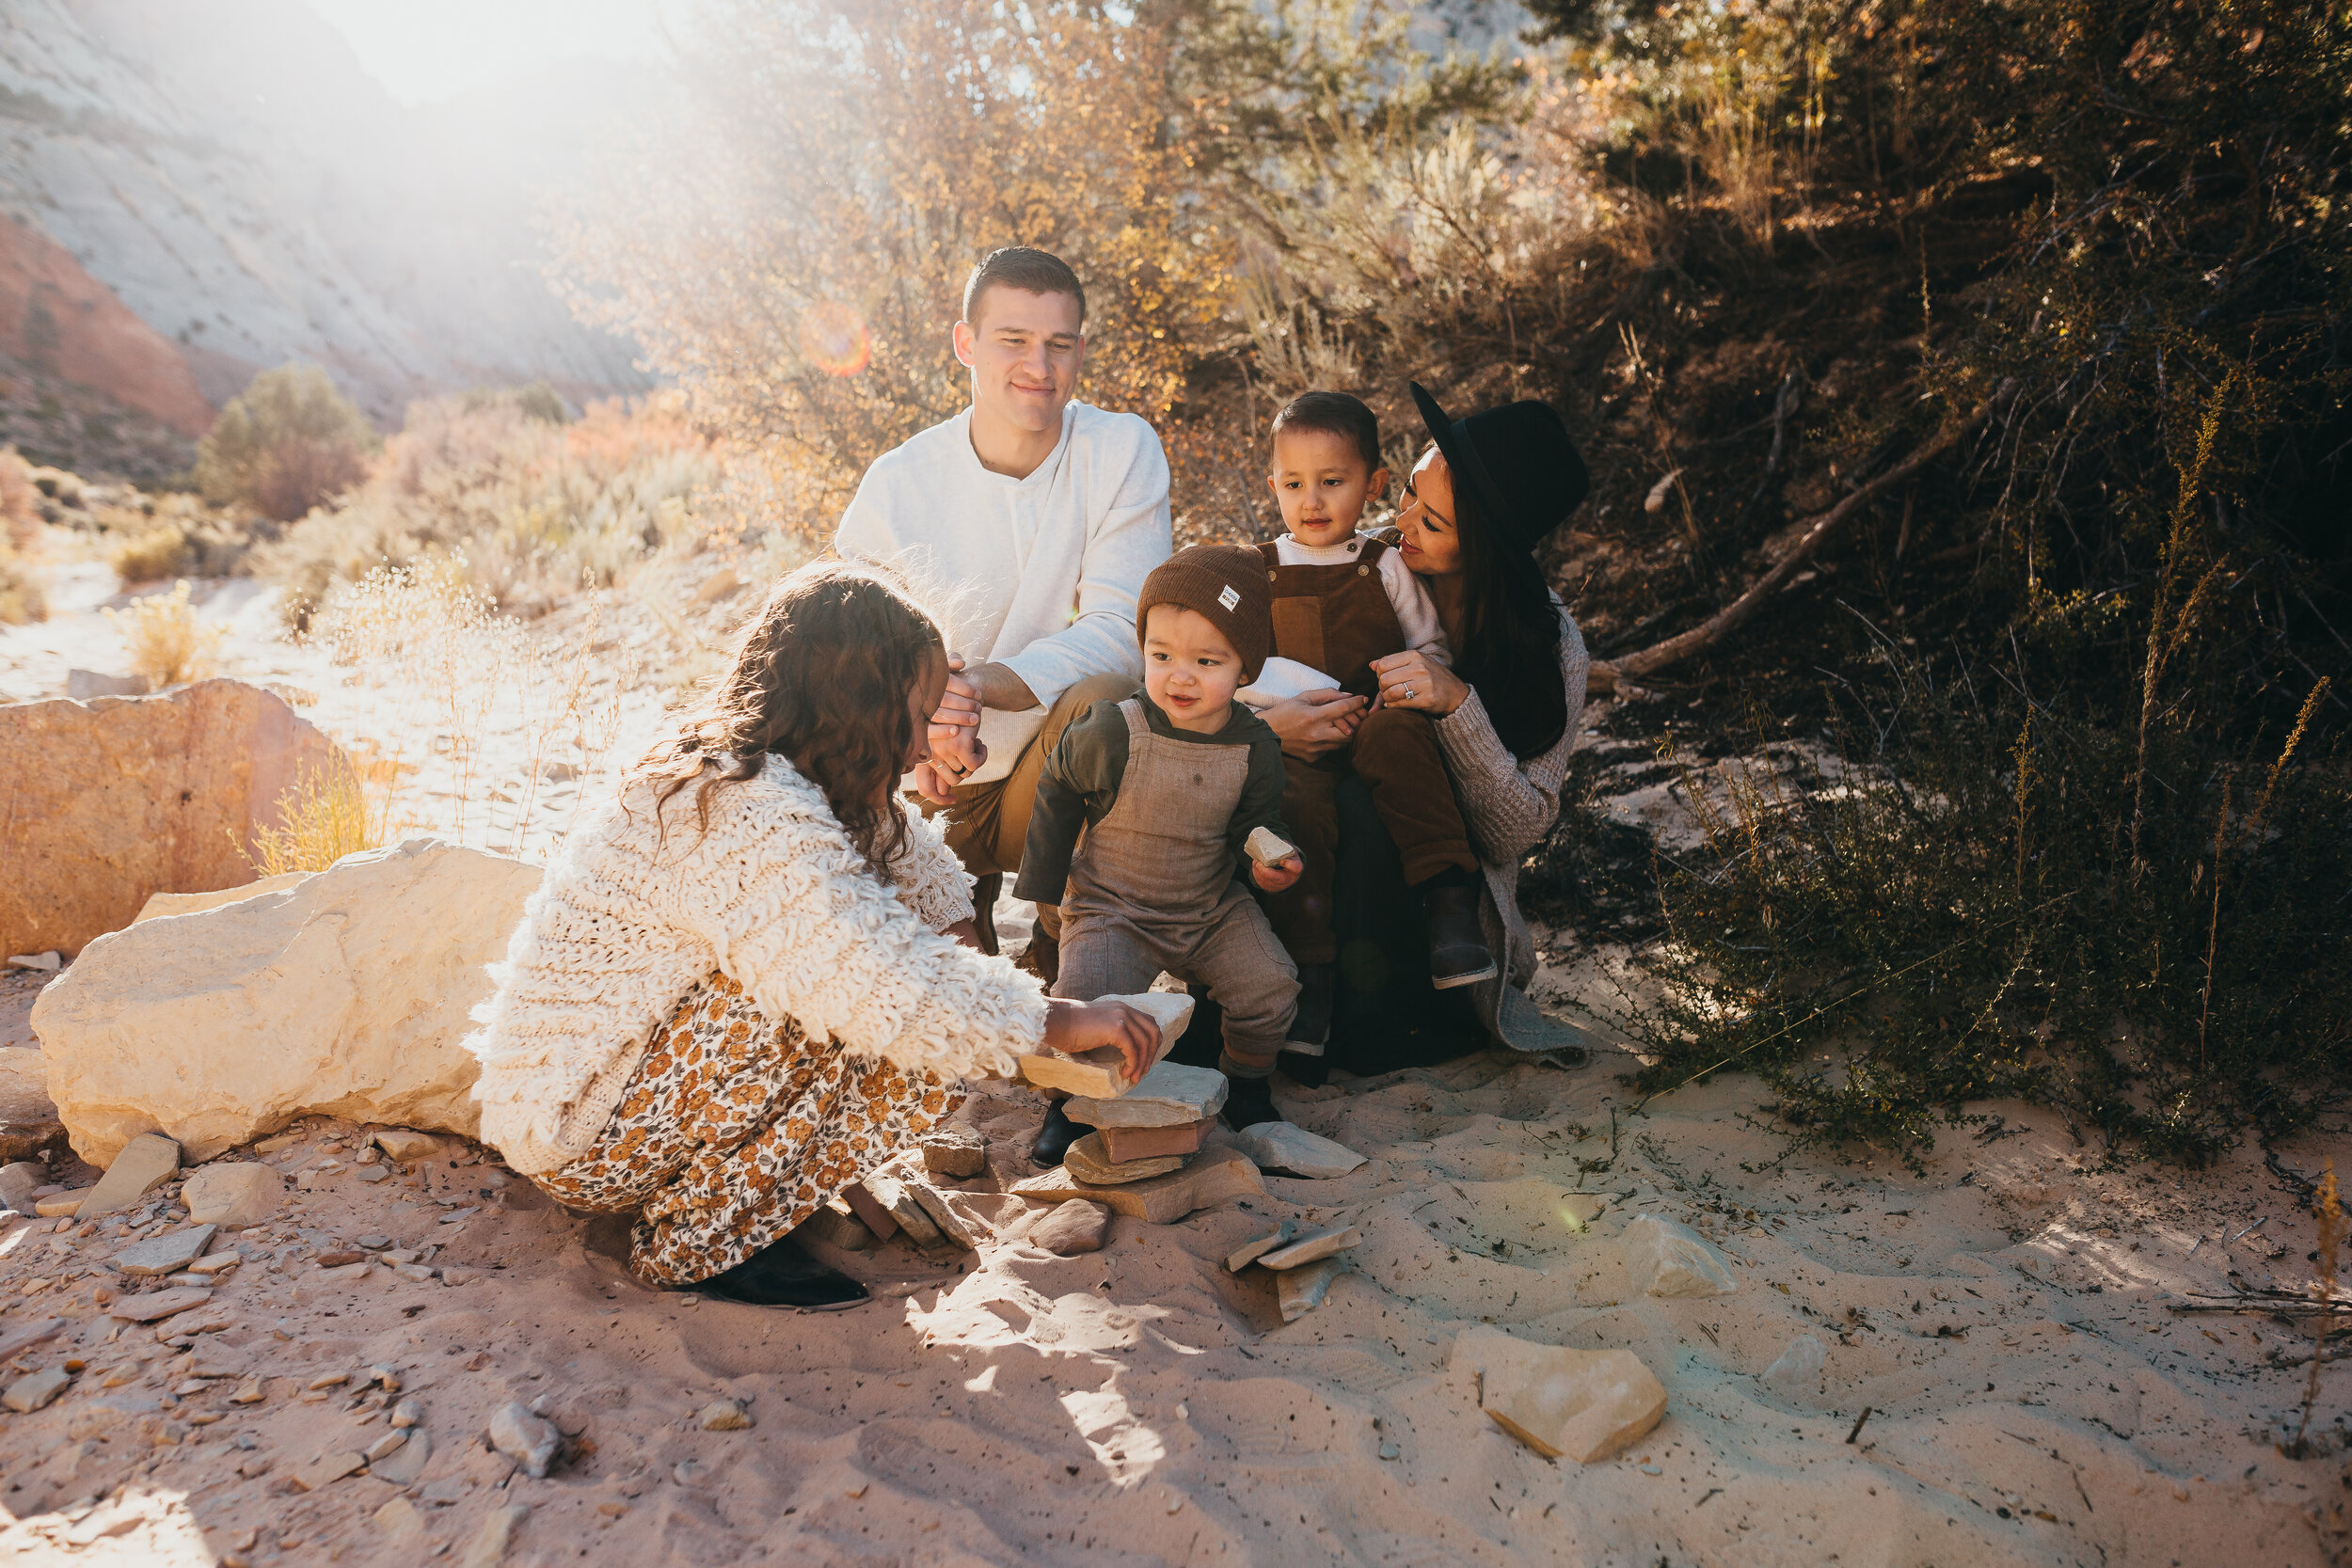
1606 675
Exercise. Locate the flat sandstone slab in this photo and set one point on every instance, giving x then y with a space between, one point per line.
1284 1146
162 1304
1100 1073
1301 1291
1312 1249
1582 1404
147 1160
1123 1144
1088 1160
1215 1175
1170 1095
168 1253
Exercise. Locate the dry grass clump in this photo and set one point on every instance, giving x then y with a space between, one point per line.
322 815
440 659
535 508
165 641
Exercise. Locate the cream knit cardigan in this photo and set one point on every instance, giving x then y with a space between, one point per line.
776 896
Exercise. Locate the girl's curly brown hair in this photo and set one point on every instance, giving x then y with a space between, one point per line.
821 678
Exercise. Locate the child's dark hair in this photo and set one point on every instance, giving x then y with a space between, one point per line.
819 678
1334 414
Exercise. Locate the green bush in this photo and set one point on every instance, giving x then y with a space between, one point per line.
289 442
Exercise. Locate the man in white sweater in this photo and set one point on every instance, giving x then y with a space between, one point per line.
1029 522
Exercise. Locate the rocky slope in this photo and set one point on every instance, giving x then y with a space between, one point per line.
226 170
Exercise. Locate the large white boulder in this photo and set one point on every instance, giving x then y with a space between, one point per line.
346 994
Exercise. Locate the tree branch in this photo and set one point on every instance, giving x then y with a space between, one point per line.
1606 675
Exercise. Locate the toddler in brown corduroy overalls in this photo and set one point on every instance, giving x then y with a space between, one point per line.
1165 787
1341 600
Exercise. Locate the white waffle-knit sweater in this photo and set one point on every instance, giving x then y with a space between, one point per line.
777 897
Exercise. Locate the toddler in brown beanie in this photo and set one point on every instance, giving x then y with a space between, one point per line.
1167 787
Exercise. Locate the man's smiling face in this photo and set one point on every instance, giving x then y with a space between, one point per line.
1025 351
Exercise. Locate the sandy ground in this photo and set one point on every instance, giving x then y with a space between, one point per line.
2002 1317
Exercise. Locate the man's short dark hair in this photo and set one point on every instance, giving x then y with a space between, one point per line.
1029 270
1334 414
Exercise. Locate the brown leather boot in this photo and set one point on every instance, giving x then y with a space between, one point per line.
984 891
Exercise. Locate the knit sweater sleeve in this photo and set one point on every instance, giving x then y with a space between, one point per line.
929 879
799 921
1507 804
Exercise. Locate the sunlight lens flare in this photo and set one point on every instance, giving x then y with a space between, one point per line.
835 339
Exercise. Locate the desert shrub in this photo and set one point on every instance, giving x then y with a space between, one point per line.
165 639
20 501
21 598
322 817
536 509
1973 904
153 555
287 443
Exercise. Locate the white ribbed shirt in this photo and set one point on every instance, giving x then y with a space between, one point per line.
1039 574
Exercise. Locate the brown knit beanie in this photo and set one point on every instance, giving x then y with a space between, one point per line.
1228 583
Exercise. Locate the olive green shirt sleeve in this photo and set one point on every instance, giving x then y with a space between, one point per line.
1077 787
1262 790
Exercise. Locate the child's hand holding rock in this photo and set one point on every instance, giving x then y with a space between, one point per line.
1278 877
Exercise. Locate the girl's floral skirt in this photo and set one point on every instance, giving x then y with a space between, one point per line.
734 1129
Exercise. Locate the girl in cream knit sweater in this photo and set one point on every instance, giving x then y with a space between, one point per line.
742 988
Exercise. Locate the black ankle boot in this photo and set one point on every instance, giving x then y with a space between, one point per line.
1248 1102
1055 1138
781 1274
1458 955
1308 1072
1310 1026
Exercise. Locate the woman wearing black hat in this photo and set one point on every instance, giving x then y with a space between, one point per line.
1479 503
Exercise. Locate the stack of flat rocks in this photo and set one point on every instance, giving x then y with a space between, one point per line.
1145 1157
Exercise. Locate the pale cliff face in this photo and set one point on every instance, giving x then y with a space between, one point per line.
227 171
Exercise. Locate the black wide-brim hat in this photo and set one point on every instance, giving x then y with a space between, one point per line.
1525 473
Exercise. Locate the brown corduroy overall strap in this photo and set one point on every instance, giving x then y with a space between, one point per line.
1160 857
1335 617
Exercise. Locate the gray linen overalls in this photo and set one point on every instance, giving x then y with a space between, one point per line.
1152 889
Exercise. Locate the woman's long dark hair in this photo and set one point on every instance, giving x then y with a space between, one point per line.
1510 645
820 677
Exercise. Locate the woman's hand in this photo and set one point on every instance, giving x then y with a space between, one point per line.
1278 877
1409 680
965 931
1313 724
1073 1027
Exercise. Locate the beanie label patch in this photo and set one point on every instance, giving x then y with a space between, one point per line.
1229 597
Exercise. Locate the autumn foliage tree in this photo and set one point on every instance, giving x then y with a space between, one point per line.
794 251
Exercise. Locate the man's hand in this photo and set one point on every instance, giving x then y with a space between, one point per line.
955 728
999 688
1280 876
